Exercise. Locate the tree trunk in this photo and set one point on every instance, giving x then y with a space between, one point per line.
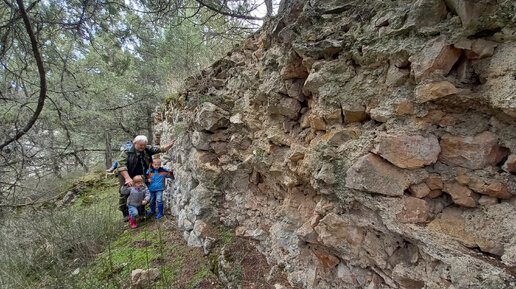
268 4
109 161
149 123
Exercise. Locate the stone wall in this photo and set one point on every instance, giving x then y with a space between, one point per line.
362 144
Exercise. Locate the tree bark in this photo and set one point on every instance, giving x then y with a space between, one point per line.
109 161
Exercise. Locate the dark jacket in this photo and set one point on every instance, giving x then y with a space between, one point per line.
136 195
156 178
136 162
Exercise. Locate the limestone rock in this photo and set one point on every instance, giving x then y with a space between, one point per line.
407 151
471 152
437 58
471 12
285 106
414 211
487 201
338 233
426 13
211 117
478 48
201 140
141 279
434 90
461 195
370 173
326 174
396 76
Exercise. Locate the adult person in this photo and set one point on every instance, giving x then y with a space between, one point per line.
135 161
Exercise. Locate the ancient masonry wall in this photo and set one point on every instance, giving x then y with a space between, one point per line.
361 144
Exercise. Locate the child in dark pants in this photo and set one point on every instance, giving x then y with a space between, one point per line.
139 195
156 177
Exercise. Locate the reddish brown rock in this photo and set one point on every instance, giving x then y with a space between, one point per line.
420 190
414 211
408 152
328 261
510 164
437 58
433 117
471 152
496 190
370 173
434 194
434 182
294 68
461 195
434 90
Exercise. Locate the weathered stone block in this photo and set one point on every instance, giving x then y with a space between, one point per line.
354 113
461 195
370 173
434 90
294 67
316 122
404 107
211 117
470 12
471 152
285 106
478 48
510 164
437 57
340 136
434 182
414 211
327 260
420 190
334 117
407 151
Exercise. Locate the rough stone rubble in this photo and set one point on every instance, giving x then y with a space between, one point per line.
362 144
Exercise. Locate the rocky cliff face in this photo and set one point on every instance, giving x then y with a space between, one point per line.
362 144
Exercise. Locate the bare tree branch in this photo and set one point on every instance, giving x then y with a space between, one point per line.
225 13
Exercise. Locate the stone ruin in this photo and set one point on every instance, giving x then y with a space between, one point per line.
361 144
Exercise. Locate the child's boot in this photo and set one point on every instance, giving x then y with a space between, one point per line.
133 223
152 209
160 211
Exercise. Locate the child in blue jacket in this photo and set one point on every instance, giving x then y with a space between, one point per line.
156 178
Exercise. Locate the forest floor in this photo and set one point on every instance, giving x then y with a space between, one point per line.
157 243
